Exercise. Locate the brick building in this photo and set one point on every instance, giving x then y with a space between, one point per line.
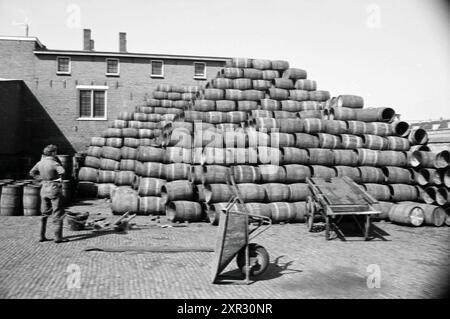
65 97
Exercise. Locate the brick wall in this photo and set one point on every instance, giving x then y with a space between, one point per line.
51 100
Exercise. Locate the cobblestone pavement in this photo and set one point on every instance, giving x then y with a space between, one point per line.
414 262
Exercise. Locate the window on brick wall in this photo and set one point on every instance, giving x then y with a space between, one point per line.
92 103
199 70
63 65
157 68
112 67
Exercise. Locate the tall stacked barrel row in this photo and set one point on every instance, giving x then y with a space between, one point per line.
129 163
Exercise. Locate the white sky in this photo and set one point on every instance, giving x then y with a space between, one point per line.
394 53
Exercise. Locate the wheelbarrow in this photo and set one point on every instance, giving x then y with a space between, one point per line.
335 199
237 228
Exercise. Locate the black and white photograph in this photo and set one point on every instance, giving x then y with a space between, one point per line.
224 154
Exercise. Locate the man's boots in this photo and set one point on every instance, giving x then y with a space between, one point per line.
42 237
59 231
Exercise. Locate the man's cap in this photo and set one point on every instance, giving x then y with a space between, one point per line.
49 149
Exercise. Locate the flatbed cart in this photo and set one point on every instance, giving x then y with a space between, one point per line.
237 228
338 198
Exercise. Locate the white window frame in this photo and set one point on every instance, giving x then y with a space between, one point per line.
200 77
93 88
162 69
57 65
118 66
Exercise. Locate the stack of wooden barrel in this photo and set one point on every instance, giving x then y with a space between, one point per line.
22 197
268 125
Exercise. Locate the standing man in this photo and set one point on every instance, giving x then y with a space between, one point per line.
50 171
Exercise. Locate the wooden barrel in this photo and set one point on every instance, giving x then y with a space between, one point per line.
91 161
222 83
236 117
130 132
375 142
242 84
383 208
375 114
140 117
379 128
97 141
447 218
239 63
378 191
66 192
246 106
106 176
184 211
282 212
114 142
265 123
313 125
261 113
367 157
300 212
272 173
176 171
400 128
87 189
225 106
109 164
319 95
67 164
433 215
261 85
252 192
117 124
397 175
151 205
124 199
216 193
442 196
292 155
403 192
349 141
357 127
111 153
237 156
418 136
88 174
299 192
391 158
446 178
149 186
304 84
350 101
319 156
112 133
296 173
294 74
127 165
283 83
270 74
129 153
253 95
177 190
334 127
124 178
311 114
343 114
234 95
210 174
150 154
133 128
442 159
407 214
94 151
269 155
270 105
104 190
262 64
396 143
329 141
277 192
284 115
427 195
232 73
279 140
203 106
151 169
351 172
422 175
236 139
304 140
345 157
246 174
153 102
31 200
322 172
214 94
290 106
278 94
258 209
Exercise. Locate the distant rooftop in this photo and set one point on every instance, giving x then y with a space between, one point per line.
442 124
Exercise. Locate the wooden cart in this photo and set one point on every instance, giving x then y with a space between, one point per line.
338 198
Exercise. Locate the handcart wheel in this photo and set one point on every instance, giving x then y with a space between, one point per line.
259 259
327 228
310 211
